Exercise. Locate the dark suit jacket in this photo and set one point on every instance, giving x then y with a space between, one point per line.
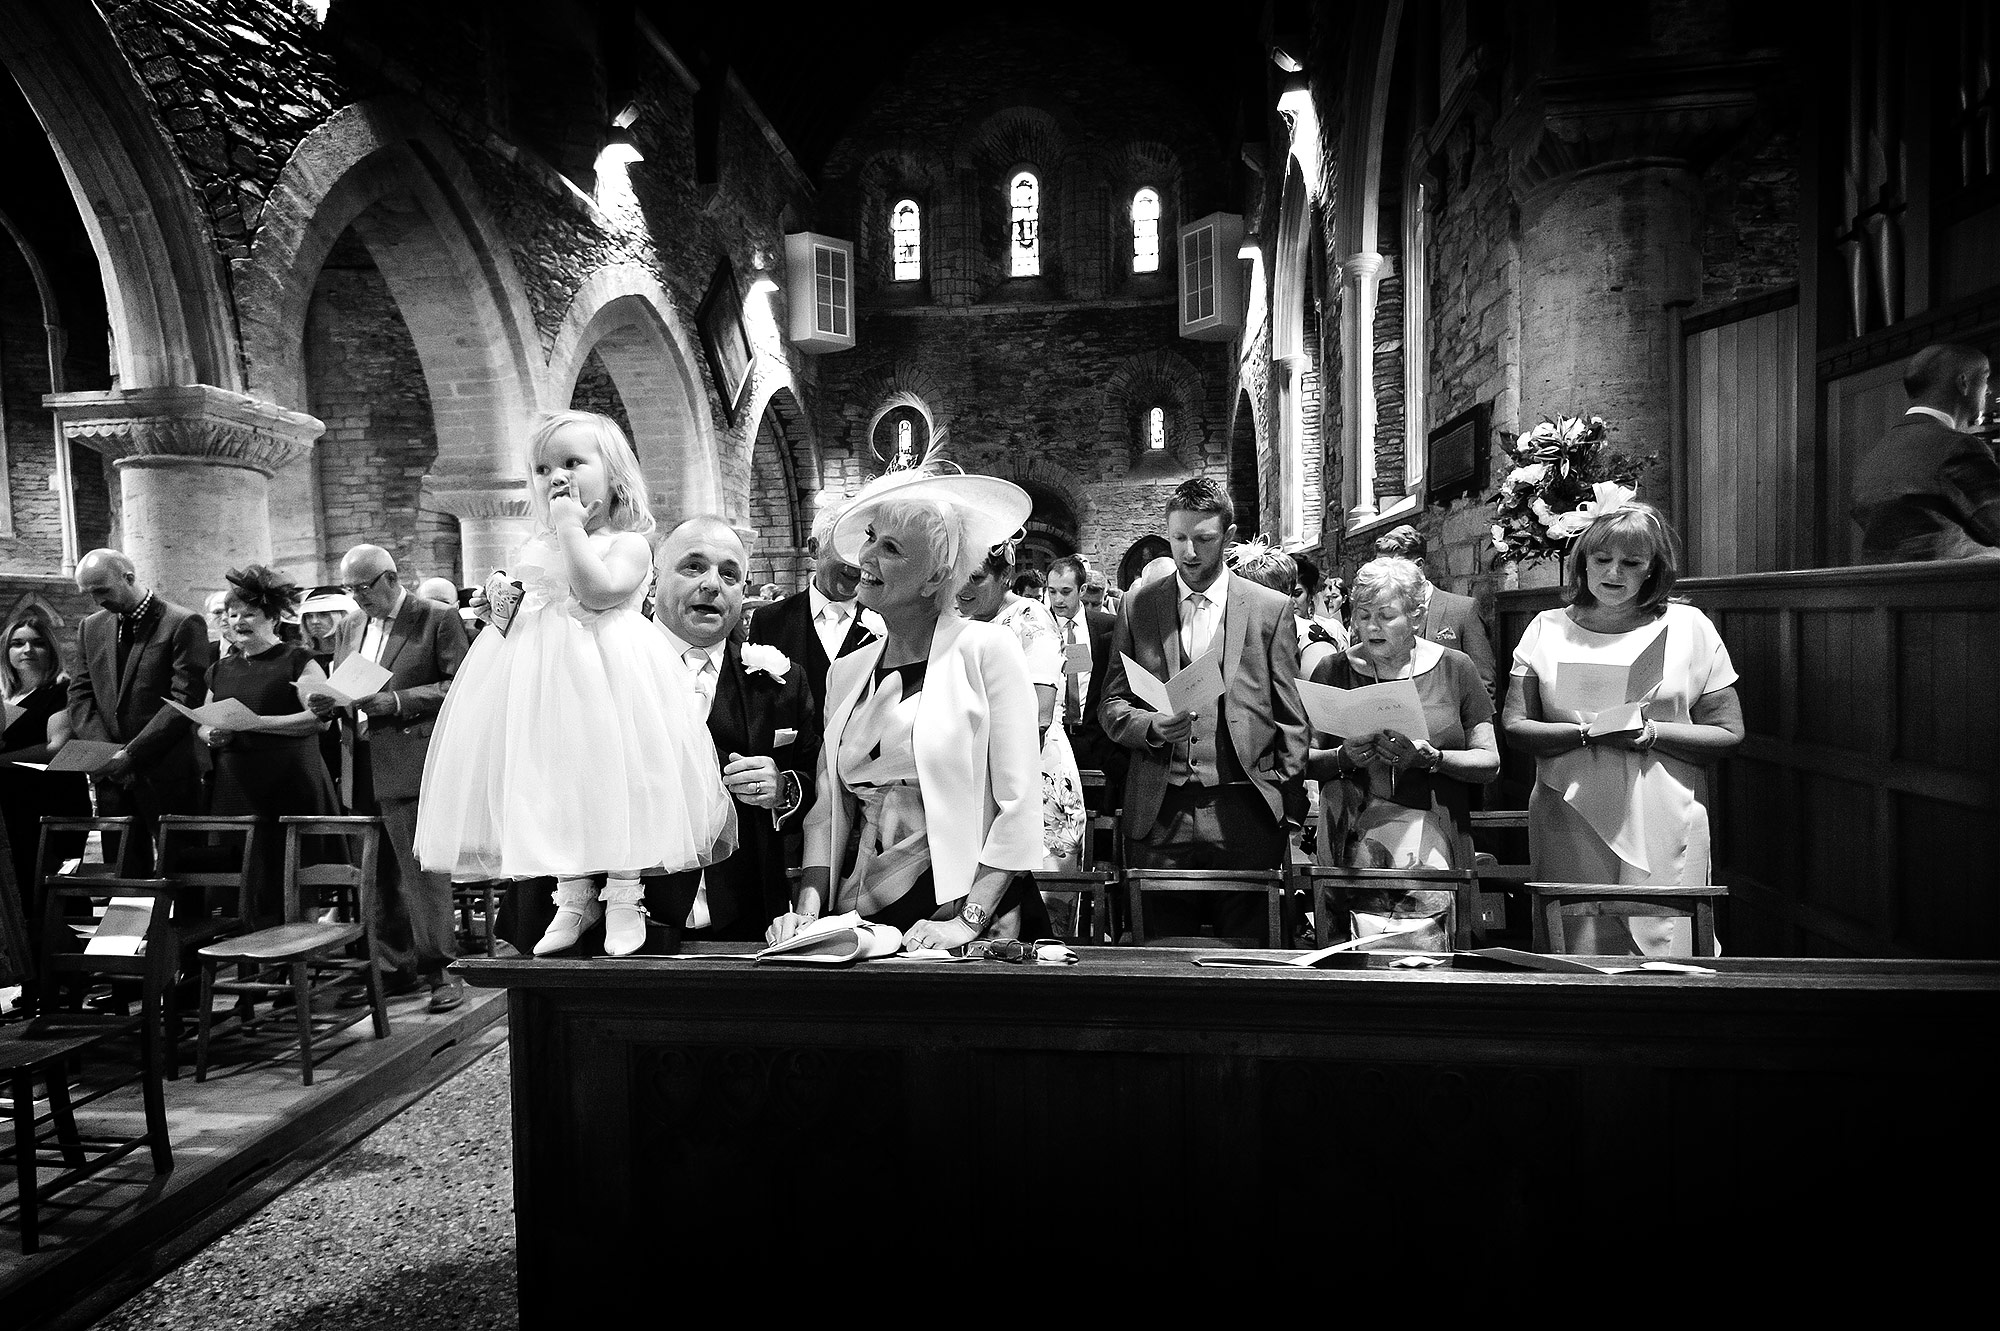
750 709
788 626
425 648
130 708
1261 709
1927 492
1453 621
1090 740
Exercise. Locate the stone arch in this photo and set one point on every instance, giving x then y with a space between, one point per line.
889 174
784 488
624 315
1294 360
384 168
993 148
1141 553
1248 454
1157 379
1145 163
164 287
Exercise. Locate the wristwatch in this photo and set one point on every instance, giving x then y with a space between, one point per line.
977 916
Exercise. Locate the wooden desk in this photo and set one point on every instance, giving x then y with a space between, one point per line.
898 1117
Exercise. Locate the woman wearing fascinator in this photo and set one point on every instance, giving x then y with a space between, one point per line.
985 597
1624 805
275 771
929 812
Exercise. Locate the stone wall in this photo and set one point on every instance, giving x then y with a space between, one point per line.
1750 206
367 386
35 541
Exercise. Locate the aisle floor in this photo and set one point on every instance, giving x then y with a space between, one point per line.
411 1227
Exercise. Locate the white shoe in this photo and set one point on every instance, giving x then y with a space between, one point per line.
624 929
568 926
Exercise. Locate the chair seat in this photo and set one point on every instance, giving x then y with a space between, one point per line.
284 942
37 1042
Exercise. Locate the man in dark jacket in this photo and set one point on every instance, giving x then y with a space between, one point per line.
766 726
823 622
1929 490
133 655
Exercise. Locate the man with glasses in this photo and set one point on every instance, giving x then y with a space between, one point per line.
385 738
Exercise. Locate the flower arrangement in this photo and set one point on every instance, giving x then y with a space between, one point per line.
1565 473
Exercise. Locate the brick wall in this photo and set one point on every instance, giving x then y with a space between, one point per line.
595 392
365 382
35 545
1750 208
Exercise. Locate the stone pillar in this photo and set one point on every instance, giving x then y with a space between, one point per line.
194 467
494 520
1360 273
1603 254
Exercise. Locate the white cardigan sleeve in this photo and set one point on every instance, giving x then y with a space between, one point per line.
1013 839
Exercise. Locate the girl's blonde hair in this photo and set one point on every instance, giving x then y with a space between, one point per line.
626 507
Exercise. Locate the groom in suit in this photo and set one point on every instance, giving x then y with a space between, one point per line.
1219 786
136 652
384 742
819 625
765 722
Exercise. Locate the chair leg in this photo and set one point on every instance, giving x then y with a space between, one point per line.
492 919
204 1019
376 1003
61 1118
302 1000
172 1024
156 1099
24 1157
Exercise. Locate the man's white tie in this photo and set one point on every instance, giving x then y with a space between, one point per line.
1200 626
702 666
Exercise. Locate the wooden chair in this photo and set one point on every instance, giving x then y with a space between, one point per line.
1495 878
1335 889
1556 903
1270 882
60 1034
210 902
1104 849
298 954
482 897
1089 886
59 834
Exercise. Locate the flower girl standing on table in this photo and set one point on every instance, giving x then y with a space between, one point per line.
565 748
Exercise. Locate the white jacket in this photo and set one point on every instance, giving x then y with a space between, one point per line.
979 763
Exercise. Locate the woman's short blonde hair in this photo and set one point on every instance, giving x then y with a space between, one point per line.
937 525
1389 578
627 508
1638 527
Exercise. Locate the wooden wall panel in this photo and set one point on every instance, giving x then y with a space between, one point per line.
1860 408
1837 836
1755 649
1946 900
1839 667
1948 708
1742 428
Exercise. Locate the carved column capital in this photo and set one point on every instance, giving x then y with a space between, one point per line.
479 496
187 423
1361 270
1650 112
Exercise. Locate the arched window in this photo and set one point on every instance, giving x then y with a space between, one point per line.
906 443
1156 428
907 234
1025 202
1146 232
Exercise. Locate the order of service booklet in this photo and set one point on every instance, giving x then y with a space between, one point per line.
836 940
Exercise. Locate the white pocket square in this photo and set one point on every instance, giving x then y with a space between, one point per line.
784 737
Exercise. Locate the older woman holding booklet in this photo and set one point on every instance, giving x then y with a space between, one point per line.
1398 794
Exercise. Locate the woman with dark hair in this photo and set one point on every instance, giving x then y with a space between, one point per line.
1625 807
36 695
276 770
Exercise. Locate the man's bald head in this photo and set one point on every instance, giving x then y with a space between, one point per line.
107 577
1163 567
702 566
1951 378
369 574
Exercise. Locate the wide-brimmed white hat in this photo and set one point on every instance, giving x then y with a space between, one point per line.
983 510
326 599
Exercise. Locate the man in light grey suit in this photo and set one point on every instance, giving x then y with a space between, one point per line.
1218 787
1449 620
420 643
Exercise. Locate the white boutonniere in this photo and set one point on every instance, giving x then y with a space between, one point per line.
757 656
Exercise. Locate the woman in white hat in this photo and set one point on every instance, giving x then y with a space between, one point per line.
929 815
